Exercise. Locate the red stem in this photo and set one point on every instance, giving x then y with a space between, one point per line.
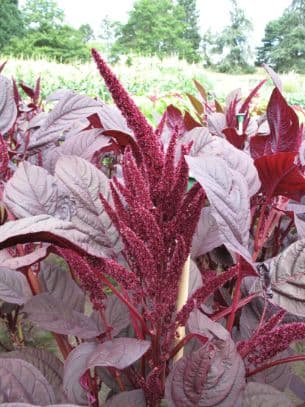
131 308
185 340
228 310
289 359
230 321
257 240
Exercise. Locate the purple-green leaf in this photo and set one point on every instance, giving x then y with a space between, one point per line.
33 191
119 353
261 395
70 109
22 382
57 281
14 287
214 375
8 109
50 313
46 362
75 366
288 278
15 263
116 315
134 398
228 195
85 184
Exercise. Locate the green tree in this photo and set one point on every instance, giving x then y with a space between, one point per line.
190 19
10 21
42 15
155 27
283 45
46 34
231 47
87 32
109 30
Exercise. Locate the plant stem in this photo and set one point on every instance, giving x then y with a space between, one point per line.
289 359
257 240
185 340
61 341
228 310
181 300
230 321
131 308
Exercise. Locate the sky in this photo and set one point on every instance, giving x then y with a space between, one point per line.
214 14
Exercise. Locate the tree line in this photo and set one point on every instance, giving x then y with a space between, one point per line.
155 27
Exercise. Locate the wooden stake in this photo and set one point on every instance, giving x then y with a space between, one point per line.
181 301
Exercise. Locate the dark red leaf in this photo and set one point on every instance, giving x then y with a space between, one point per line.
134 398
36 91
16 93
198 106
252 94
274 76
190 122
201 90
2 66
174 119
260 146
218 107
95 121
281 175
284 124
234 138
27 89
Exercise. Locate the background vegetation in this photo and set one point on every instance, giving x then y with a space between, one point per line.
155 28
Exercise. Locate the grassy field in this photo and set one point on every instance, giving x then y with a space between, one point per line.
166 81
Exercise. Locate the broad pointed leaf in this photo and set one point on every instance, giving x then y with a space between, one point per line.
112 119
214 375
33 191
288 278
47 229
70 108
82 144
22 382
261 395
48 312
207 235
234 138
216 123
57 281
204 143
85 144
201 324
134 398
75 366
285 132
8 109
14 287
274 76
46 362
119 353
15 263
85 183
280 175
116 315
284 124
227 192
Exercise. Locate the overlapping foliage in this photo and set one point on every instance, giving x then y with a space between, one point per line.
168 263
